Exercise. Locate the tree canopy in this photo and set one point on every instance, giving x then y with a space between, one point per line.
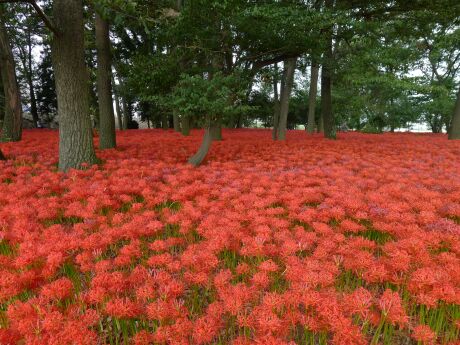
384 65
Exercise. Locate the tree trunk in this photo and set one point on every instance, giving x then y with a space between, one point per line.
2 102
33 100
164 121
107 136
276 110
117 105
326 84
321 124
199 156
126 115
176 121
326 105
436 124
12 121
312 97
216 130
185 125
239 122
75 136
289 70
454 130
2 157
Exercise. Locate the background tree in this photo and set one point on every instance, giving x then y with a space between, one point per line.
454 131
26 35
12 120
46 87
107 138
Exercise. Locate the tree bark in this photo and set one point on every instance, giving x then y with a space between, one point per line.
76 146
321 124
164 121
176 122
107 136
239 121
289 70
199 156
326 105
12 121
126 115
2 156
454 130
216 130
33 100
276 108
117 105
312 97
185 126
326 83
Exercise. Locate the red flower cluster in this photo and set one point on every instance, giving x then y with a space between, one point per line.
353 241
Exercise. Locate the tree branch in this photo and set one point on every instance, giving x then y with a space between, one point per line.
48 23
257 65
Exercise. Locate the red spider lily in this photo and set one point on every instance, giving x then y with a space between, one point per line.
424 334
339 242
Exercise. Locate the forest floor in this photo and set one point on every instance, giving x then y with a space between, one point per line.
309 241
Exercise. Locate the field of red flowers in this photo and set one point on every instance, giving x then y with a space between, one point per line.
311 241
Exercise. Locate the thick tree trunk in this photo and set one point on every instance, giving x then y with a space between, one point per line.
276 108
75 136
312 97
107 136
199 156
2 157
185 125
454 130
289 70
326 105
12 121
326 84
